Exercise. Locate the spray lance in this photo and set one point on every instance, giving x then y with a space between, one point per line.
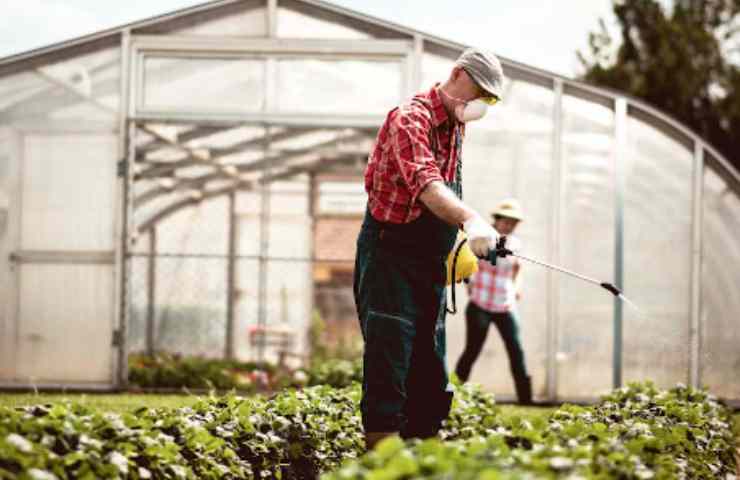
463 257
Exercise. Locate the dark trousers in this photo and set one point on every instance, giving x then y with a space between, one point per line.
478 321
400 302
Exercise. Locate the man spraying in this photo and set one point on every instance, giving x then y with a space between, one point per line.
414 185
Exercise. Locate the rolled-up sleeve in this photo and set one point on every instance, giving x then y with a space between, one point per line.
409 143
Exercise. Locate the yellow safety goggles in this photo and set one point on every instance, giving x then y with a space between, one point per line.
490 100
484 95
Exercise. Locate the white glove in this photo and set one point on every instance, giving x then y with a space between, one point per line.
481 235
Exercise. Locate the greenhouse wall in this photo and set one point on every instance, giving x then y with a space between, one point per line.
203 142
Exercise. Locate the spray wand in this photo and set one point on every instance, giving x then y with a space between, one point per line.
502 252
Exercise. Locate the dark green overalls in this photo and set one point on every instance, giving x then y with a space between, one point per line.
399 287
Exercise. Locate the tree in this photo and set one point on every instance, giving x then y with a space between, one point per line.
679 62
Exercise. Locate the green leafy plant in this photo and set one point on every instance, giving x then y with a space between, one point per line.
637 432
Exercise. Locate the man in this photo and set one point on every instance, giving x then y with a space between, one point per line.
494 293
413 214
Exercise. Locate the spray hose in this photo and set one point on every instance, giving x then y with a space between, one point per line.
502 252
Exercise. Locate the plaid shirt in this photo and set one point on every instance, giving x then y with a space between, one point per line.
492 287
417 144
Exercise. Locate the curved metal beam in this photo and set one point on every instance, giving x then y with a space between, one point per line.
180 204
200 182
189 161
315 166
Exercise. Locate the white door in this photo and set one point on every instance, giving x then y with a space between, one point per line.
63 264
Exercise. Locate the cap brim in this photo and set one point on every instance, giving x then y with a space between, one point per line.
486 84
507 215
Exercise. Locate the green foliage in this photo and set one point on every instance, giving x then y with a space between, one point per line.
165 370
174 371
335 372
679 61
321 350
637 432
295 434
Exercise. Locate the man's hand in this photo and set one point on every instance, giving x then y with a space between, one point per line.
481 235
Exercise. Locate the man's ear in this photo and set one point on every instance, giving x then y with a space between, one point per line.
455 74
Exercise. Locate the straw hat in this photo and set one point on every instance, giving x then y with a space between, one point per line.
509 208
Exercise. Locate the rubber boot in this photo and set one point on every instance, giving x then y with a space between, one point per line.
524 389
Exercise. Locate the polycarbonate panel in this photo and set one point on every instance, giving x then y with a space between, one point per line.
201 229
68 191
248 23
720 304
190 266
248 227
341 198
657 256
288 285
65 323
203 84
189 304
289 302
434 69
291 24
82 93
338 86
246 307
290 225
508 154
16 90
584 355
9 162
288 271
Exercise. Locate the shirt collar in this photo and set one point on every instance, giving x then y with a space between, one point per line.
439 113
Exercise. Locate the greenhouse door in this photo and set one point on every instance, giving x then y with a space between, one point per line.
61 259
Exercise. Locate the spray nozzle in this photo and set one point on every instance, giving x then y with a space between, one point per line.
499 252
611 288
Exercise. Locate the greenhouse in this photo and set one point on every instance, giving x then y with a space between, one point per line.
192 183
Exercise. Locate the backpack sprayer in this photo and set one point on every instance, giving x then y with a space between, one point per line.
463 258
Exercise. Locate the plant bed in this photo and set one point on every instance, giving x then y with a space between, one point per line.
171 373
637 432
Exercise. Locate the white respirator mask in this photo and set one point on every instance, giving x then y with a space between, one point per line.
470 111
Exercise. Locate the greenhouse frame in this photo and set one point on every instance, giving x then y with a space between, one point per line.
181 182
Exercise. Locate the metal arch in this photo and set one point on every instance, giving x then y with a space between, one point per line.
244 185
200 182
189 161
180 204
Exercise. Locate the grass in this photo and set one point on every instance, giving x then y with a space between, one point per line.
127 402
120 403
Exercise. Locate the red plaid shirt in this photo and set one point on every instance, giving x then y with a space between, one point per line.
403 162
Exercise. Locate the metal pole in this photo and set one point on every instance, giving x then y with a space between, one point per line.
551 381
697 199
122 275
264 246
271 15
312 199
620 131
151 288
230 278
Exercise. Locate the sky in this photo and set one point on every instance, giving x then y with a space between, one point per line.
542 33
